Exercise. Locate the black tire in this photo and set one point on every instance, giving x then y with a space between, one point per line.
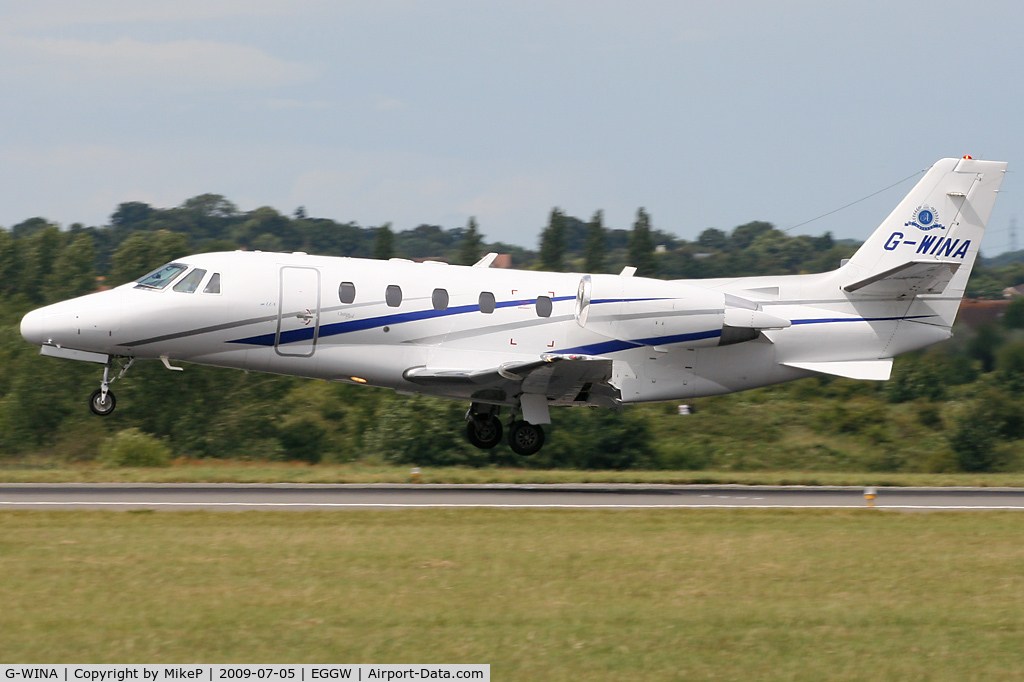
100 406
484 431
525 439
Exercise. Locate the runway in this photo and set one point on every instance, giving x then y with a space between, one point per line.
306 497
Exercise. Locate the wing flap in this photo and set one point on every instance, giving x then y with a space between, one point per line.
563 379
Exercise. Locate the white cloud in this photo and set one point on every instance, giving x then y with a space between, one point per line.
178 65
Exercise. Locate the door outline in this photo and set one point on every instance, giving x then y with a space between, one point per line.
302 313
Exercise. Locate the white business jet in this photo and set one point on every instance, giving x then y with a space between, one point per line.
526 341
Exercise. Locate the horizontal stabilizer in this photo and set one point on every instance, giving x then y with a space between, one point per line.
912 278
870 370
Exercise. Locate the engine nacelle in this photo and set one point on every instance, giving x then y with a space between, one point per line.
659 313
650 312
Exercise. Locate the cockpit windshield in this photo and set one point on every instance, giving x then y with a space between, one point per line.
159 278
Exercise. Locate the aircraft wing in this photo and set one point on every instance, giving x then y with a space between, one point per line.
564 379
914 277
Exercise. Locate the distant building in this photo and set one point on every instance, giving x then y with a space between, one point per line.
1013 292
976 311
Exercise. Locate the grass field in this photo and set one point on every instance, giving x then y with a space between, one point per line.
538 594
227 471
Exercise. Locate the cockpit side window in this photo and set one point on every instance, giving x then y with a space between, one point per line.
190 282
161 277
213 286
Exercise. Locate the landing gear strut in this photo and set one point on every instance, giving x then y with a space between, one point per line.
102 401
483 428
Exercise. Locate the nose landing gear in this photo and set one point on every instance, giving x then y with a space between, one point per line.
102 402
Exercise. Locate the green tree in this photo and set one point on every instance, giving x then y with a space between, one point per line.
713 238
1013 318
641 245
73 273
210 206
143 252
11 263
419 431
1010 367
384 242
973 442
29 227
42 249
469 251
744 235
267 230
132 215
984 344
552 242
596 244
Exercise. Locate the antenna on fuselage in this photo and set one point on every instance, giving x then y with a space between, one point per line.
487 261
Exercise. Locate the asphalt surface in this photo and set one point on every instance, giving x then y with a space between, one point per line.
237 497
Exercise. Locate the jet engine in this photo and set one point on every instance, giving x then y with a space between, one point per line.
662 313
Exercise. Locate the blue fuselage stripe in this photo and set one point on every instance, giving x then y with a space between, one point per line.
611 346
306 333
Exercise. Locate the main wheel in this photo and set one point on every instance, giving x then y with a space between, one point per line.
484 431
525 438
100 406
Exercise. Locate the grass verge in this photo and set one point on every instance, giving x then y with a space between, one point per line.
226 471
538 594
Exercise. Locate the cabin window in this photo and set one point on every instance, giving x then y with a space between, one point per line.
439 299
393 295
347 292
213 286
160 278
543 306
190 282
486 302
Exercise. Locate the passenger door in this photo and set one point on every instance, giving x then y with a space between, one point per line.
298 312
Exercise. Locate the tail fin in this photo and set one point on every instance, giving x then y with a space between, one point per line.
929 243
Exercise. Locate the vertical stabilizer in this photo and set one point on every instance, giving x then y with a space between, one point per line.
940 222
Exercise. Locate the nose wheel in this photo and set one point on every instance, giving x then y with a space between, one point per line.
102 402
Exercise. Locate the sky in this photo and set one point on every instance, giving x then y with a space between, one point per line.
708 114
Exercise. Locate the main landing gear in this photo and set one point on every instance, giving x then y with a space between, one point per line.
102 401
525 438
483 430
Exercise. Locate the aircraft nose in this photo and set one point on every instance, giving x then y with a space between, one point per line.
33 327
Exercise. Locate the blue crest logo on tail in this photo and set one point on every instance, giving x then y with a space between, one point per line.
925 218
